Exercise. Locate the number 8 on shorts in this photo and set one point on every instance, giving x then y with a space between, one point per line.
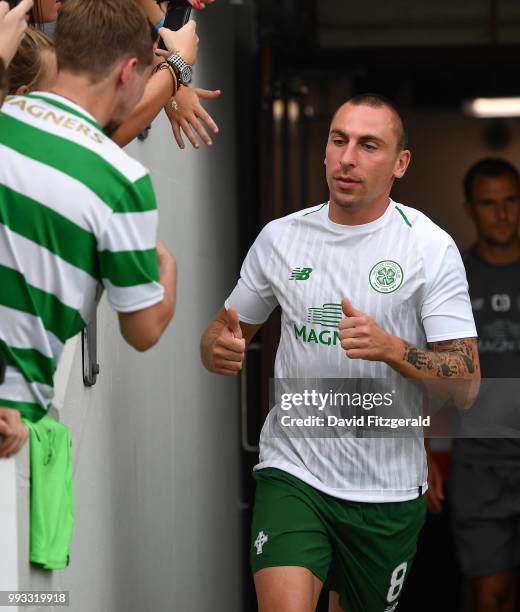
396 582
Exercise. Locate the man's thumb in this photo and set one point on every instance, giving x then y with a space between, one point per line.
348 309
234 322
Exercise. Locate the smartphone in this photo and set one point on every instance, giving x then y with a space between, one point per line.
177 15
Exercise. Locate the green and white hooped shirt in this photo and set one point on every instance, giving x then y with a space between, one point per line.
402 270
75 211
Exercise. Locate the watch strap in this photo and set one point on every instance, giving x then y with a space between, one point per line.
166 66
182 69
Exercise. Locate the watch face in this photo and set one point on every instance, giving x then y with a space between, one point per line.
186 74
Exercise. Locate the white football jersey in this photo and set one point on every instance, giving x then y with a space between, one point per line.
403 271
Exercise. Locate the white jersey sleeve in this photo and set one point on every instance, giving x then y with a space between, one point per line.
253 295
446 310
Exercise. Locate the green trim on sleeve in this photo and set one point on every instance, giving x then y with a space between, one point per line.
129 268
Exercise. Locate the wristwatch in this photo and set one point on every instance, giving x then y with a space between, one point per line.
182 69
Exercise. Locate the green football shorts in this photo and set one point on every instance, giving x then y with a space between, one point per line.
364 551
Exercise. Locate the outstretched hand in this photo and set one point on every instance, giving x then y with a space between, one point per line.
186 113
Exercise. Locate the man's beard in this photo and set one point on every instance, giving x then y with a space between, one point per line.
505 243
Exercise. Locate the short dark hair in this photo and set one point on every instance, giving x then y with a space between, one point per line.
375 100
92 35
491 167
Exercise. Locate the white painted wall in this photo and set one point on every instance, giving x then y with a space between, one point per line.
155 442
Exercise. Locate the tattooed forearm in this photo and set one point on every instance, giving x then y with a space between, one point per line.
417 357
452 358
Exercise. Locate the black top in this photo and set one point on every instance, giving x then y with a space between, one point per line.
495 299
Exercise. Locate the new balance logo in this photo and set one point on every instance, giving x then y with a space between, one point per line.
300 274
261 539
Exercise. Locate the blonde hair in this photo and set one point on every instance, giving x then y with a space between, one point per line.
29 64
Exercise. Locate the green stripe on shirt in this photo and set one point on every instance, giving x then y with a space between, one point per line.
58 318
78 162
33 412
127 268
46 228
35 366
132 200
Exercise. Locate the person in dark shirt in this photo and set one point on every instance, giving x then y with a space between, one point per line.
484 484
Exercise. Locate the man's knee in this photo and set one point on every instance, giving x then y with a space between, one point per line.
287 589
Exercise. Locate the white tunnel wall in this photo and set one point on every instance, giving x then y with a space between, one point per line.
155 441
